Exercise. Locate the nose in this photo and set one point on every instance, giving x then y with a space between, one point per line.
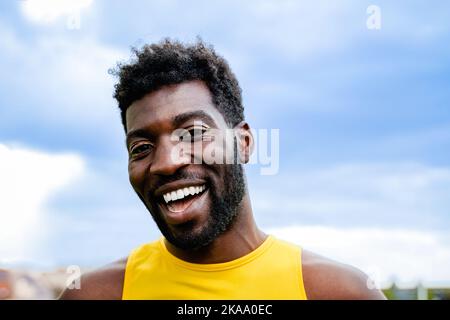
169 156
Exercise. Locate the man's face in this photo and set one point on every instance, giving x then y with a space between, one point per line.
192 202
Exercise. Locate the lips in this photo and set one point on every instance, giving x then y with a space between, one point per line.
181 202
181 193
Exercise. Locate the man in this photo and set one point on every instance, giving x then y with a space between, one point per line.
177 105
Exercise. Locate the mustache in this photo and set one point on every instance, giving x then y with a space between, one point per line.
179 175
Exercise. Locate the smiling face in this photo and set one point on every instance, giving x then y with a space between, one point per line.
192 200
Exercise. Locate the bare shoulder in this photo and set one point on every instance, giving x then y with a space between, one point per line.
326 279
103 283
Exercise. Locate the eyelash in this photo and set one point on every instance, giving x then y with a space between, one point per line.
194 133
133 149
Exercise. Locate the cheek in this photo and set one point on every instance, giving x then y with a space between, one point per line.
136 175
217 178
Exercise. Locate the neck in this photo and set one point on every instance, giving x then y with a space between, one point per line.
242 238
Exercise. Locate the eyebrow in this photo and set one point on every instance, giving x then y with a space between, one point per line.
136 134
199 114
176 122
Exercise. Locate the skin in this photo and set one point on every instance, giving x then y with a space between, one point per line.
323 278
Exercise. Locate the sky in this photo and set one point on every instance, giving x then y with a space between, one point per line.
363 116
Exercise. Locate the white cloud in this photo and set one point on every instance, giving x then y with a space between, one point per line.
417 140
408 255
66 82
391 194
389 219
294 29
298 29
28 179
46 11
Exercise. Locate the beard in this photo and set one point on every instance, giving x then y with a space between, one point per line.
224 212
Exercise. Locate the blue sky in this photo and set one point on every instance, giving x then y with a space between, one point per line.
363 115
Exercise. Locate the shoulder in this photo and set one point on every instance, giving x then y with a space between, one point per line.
327 279
103 283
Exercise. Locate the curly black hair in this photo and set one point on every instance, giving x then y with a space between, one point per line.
172 62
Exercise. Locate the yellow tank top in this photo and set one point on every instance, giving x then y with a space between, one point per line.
272 271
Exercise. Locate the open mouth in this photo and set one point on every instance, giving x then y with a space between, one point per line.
179 200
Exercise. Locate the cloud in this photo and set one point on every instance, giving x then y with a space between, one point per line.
406 255
46 11
60 91
359 194
29 178
294 29
389 219
61 77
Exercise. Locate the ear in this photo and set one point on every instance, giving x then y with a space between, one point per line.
245 141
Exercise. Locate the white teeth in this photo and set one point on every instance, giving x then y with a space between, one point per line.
181 193
166 197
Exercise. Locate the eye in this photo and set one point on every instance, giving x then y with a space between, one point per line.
140 149
195 134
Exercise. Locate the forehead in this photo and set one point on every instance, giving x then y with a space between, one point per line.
159 107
